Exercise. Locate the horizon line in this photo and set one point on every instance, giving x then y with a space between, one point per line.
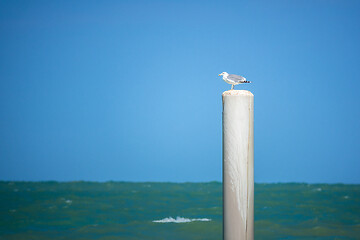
173 182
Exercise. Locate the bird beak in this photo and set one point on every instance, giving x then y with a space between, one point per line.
219 74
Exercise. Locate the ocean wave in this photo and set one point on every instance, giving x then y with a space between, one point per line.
181 220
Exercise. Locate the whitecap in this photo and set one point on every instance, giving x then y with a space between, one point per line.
181 220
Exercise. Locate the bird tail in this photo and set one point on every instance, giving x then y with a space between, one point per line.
246 81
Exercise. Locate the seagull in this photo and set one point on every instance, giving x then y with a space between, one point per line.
233 79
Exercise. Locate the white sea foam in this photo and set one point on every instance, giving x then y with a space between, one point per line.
181 220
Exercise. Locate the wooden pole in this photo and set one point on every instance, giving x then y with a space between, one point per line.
238 165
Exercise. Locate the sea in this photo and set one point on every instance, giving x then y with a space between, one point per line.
171 211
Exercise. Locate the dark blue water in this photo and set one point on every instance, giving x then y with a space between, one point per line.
123 210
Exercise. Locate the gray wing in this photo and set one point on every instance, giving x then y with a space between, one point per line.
236 78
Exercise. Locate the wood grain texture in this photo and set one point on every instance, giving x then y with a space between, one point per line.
238 165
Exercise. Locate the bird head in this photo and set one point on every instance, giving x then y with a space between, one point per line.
223 73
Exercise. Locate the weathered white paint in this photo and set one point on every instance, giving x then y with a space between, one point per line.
238 165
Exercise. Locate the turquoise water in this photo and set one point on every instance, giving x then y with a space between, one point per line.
124 210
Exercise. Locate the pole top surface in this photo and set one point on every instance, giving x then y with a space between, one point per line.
237 93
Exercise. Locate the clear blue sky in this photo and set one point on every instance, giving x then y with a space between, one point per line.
128 90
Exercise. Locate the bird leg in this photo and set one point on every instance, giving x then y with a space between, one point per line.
232 86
